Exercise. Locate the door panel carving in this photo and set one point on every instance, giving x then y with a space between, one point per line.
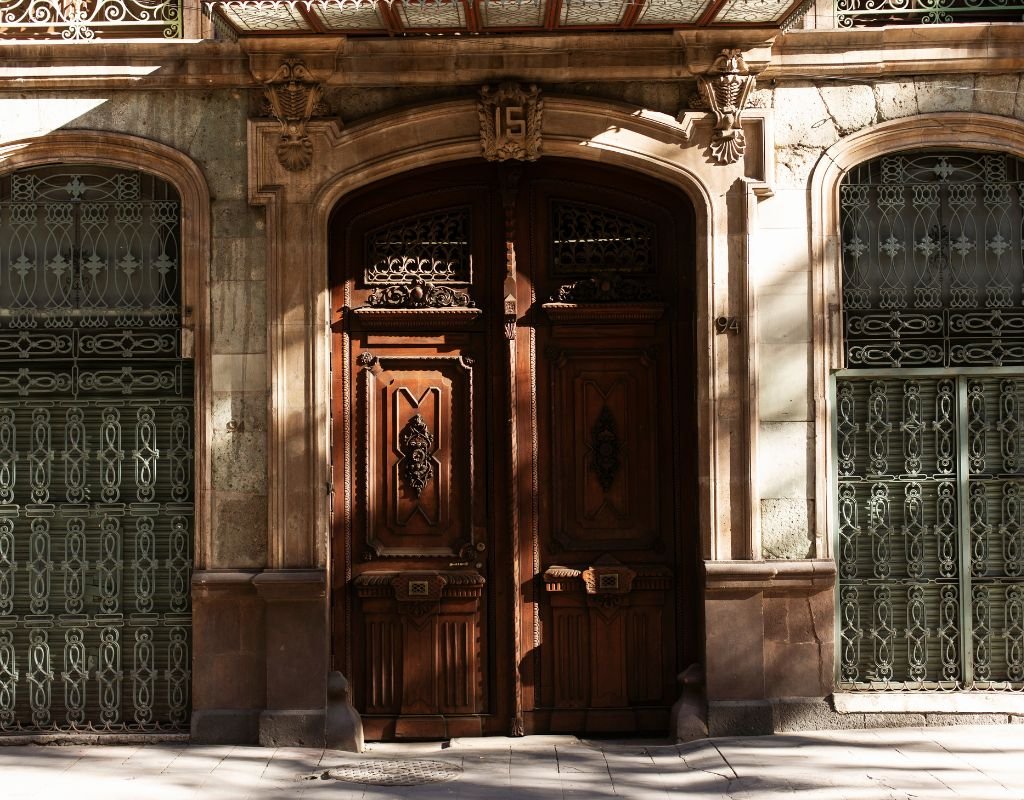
604 420
419 454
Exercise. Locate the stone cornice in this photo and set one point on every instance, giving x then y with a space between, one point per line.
590 57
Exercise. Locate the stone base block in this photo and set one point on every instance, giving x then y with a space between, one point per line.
226 726
760 717
292 728
739 718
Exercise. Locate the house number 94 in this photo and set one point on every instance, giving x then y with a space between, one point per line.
510 122
727 325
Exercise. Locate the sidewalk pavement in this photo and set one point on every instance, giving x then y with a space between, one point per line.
967 762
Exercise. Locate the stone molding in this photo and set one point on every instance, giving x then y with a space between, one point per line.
173 166
770 576
206 582
299 205
648 56
291 585
961 130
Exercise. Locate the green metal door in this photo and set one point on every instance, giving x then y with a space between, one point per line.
96 432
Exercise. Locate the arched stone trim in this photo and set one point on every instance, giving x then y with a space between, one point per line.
299 205
134 152
960 130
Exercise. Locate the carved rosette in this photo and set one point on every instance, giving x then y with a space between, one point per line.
416 443
606 289
510 122
293 96
724 90
418 293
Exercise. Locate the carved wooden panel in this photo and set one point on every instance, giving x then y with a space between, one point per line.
610 645
604 456
421 643
418 492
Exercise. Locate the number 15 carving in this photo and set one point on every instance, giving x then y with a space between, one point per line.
510 122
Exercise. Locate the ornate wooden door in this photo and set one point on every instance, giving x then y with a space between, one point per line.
511 439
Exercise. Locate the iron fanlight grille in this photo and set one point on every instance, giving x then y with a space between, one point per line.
929 490
96 431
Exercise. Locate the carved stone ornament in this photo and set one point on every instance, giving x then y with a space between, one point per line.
724 90
606 289
510 122
416 444
293 96
418 293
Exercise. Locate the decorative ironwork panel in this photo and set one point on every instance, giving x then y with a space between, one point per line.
930 543
96 420
83 20
589 239
931 249
865 13
433 247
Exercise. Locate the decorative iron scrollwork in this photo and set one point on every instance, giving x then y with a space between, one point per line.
604 449
610 289
416 443
419 294
433 246
590 239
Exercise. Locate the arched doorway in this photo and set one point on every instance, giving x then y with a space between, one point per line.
514 449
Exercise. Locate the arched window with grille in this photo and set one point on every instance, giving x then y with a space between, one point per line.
928 463
96 460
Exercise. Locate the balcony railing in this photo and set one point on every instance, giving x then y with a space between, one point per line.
865 13
91 19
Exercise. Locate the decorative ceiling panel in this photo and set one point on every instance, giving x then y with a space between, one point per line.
672 12
593 12
508 13
426 16
350 16
753 11
264 17
431 13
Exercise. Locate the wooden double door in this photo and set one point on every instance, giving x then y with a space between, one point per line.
515 526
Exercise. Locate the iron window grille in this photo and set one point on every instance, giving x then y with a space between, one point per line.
96 461
928 463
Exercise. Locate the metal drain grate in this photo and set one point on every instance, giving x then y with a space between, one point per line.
381 772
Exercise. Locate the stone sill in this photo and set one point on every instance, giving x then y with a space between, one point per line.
928 703
773 576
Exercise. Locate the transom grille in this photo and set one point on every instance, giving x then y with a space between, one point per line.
96 478
589 239
932 261
434 247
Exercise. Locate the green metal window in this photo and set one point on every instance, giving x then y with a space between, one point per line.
928 419
96 483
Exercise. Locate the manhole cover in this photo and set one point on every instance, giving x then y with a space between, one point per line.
394 772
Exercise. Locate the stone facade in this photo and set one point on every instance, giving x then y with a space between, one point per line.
765 256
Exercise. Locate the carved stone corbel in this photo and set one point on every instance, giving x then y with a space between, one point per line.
724 90
510 122
293 96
